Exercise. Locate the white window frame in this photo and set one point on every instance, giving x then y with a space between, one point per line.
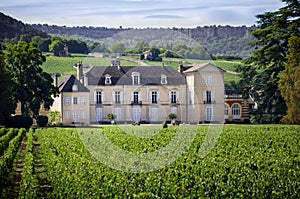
75 100
236 111
226 111
67 116
83 115
83 100
135 78
163 79
209 113
117 97
107 79
208 80
99 114
118 113
75 116
67 100
154 114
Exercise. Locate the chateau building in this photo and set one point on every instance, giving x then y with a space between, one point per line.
142 93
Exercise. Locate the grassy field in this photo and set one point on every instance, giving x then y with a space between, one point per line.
64 65
193 161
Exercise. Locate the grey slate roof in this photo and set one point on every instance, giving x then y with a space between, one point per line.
149 75
66 84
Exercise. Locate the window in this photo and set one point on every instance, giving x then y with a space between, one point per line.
107 79
236 111
83 100
135 97
117 97
209 97
67 115
99 114
174 110
225 111
173 96
135 78
118 113
154 114
75 116
67 100
209 113
136 114
75 100
154 97
83 115
163 79
75 87
208 80
98 97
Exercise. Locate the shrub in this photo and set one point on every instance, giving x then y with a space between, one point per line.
19 121
42 120
165 125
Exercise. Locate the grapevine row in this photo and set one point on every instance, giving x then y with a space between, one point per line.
29 183
4 140
6 161
252 162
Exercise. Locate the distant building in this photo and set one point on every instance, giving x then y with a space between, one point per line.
236 108
143 93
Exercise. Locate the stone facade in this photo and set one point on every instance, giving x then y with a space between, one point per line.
143 93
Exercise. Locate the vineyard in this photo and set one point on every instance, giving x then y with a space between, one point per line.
239 162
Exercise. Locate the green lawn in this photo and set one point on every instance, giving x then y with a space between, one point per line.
64 65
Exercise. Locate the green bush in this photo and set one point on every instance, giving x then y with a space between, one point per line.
42 120
165 125
19 121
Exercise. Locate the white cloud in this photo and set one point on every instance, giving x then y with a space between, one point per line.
139 13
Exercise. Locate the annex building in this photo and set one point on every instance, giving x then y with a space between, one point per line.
142 93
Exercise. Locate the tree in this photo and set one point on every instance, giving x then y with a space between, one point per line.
260 72
7 104
56 46
32 87
118 48
289 83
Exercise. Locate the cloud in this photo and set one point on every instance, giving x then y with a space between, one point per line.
133 13
164 17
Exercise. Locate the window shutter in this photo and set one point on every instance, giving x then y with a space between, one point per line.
177 96
204 96
95 96
170 96
158 96
121 97
140 96
113 96
213 96
103 97
150 97
132 98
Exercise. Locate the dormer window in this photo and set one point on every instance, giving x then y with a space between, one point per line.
135 78
107 79
163 79
75 87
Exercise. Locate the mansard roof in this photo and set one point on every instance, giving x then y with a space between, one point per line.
66 84
149 75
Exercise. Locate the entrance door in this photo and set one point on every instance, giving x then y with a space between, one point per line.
154 114
99 114
136 114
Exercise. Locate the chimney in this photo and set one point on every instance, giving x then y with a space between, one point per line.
180 66
55 77
80 72
116 63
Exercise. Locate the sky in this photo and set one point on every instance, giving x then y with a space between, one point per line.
139 13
